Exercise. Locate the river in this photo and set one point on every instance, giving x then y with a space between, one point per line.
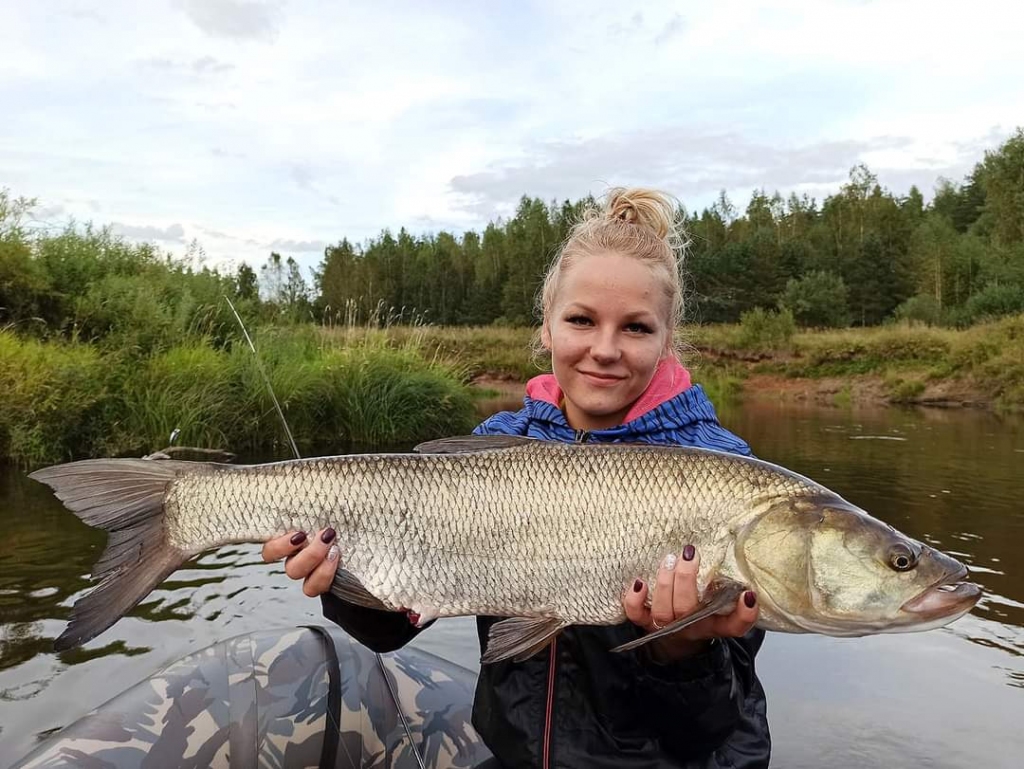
952 697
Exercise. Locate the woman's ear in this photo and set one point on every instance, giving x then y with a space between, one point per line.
545 336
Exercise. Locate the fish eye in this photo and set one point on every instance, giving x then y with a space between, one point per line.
902 558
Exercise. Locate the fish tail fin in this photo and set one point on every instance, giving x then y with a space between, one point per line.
125 497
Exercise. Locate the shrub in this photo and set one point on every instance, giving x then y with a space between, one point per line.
817 300
762 329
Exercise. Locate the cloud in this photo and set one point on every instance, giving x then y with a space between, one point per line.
174 233
210 64
686 162
205 65
297 245
675 26
239 19
88 14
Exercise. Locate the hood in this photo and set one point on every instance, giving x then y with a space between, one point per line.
670 402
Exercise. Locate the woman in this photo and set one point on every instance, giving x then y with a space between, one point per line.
610 304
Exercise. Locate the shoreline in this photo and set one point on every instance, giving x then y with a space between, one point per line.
860 390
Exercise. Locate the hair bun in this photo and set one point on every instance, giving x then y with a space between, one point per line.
644 208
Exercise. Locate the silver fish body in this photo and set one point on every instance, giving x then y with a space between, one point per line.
551 533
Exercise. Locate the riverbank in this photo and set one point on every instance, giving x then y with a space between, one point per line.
890 365
356 385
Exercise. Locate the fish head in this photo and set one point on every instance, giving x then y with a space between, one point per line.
823 565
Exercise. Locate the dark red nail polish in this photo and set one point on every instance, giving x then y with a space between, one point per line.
414 618
298 539
749 599
689 552
638 586
328 536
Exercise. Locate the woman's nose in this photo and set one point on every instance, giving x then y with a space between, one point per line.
605 348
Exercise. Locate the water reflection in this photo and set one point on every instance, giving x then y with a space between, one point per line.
948 478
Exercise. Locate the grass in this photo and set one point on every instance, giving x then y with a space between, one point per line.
65 400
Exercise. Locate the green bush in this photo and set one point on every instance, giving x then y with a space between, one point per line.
762 329
817 300
994 301
923 308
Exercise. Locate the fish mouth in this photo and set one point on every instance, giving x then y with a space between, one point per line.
950 595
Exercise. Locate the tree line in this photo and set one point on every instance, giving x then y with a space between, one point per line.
862 256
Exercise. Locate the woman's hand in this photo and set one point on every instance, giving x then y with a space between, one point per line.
313 560
675 596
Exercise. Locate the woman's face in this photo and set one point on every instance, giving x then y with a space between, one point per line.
607 329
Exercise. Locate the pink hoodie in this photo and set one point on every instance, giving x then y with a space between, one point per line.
670 379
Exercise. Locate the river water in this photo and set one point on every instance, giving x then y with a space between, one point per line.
952 697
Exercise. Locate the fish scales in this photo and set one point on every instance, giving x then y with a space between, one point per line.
546 530
546 534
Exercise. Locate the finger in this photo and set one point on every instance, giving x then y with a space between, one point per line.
635 604
319 581
279 547
684 588
301 565
661 604
741 619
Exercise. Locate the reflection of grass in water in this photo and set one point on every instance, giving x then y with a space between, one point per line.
78 655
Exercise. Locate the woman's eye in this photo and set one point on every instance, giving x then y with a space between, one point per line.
639 328
578 320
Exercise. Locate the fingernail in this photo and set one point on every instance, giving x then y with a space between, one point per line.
298 539
749 599
669 562
688 552
332 554
328 536
638 586
414 618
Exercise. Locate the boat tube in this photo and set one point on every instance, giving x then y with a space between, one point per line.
298 697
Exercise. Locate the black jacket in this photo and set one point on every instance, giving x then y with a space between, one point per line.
600 709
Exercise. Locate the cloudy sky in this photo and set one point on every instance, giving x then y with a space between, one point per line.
258 125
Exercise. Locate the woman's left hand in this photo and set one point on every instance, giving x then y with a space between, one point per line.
675 596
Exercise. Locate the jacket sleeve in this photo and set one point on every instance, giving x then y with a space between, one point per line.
381 631
710 709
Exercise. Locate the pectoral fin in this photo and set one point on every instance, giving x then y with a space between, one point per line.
720 597
348 588
519 638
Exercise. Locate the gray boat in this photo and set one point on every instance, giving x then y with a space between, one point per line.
300 697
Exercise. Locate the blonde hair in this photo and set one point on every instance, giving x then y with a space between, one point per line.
635 222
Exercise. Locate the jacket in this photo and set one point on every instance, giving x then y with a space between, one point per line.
575 704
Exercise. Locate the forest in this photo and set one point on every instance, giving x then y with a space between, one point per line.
863 256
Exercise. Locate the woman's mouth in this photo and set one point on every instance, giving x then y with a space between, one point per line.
601 380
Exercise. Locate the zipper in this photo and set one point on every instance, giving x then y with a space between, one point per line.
580 436
553 658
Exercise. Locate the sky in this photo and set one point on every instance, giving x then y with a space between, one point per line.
250 126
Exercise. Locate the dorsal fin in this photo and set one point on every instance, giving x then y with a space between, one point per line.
464 444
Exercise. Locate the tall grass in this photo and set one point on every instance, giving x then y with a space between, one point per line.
70 400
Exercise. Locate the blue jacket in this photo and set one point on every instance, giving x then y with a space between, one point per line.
577 705
586 707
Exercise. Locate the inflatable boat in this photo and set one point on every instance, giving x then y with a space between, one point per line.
299 697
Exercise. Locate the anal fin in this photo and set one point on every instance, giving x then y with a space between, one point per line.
719 597
519 638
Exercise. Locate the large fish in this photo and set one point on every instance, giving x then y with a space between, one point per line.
547 534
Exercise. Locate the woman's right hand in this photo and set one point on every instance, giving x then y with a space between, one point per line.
311 559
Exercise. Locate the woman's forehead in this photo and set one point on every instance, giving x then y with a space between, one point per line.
599 278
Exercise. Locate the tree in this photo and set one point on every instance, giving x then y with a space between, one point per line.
247 285
817 300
